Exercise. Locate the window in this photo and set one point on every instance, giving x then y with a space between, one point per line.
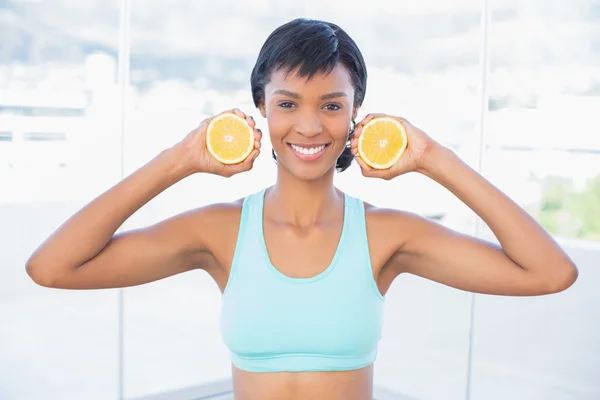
189 61
44 136
542 149
5 136
60 344
541 129
89 92
32 111
423 64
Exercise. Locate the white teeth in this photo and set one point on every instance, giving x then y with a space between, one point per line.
308 151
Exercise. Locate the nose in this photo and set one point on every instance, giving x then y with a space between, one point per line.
309 125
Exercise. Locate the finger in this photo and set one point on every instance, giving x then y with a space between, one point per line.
371 116
249 161
407 125
246 165
257 138
375 115
258 134
368 170
366 119
354 146
250 121
363 166
357 130
204 123
379 115
239 113
402 120
200 131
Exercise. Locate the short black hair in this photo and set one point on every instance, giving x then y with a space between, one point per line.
312 46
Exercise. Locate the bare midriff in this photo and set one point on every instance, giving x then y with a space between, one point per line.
337 385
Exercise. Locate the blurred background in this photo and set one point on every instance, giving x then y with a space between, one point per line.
91 90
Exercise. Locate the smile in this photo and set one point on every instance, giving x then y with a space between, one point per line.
308 153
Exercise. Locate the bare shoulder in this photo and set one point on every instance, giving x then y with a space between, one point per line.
388 230
215 222
217 214
391 222
218 225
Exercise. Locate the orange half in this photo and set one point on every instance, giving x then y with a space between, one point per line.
382 142
229 138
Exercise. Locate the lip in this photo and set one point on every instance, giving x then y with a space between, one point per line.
309 144
309 157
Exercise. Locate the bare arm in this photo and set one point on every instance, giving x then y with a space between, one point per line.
85 252
527 262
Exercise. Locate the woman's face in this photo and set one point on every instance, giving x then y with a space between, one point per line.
309 120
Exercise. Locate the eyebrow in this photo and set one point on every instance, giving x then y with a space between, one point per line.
294 95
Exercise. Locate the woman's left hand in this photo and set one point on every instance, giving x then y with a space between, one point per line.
412 160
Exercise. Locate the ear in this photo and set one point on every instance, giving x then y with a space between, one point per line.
355 112
262 109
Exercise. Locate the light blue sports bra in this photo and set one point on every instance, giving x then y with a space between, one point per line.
330 322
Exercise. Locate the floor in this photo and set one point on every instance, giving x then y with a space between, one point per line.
222 391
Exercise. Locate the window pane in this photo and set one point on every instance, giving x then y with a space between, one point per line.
189 61
561 188
541 347
423 64
542 128
58 140
543 150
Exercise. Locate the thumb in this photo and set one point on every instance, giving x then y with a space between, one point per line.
249 161
245 165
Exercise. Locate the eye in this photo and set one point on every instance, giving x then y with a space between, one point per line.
333 107
286 104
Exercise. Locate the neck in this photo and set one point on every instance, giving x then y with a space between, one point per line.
300 202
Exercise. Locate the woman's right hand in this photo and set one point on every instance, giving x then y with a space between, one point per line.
197 158
86 253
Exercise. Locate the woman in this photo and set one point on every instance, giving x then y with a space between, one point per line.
303 267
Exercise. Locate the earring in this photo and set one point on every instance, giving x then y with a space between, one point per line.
351 132
353 127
